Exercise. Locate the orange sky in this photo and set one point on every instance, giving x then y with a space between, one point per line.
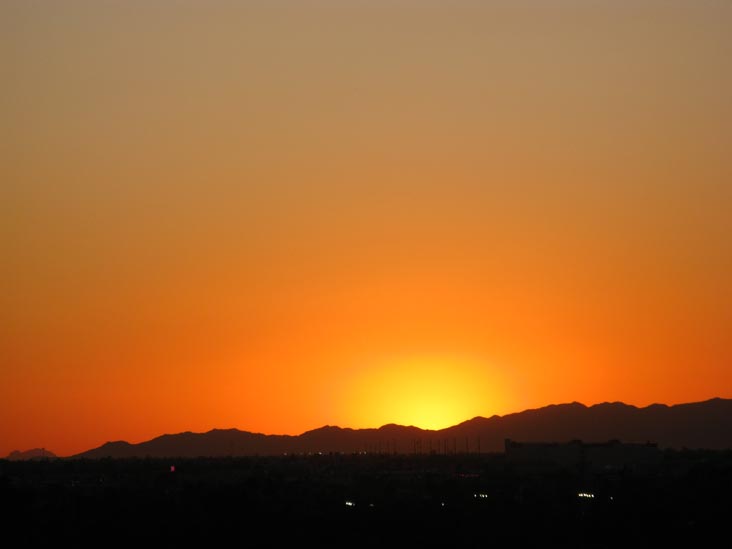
280 215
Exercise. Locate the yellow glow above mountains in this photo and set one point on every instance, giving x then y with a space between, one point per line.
430 392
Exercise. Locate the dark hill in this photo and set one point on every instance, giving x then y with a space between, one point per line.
697 425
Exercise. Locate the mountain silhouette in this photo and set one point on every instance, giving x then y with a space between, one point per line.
34 454
705 424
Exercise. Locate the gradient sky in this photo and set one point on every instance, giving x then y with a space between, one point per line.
277 215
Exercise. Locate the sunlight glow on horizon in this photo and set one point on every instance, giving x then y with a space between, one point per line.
429 392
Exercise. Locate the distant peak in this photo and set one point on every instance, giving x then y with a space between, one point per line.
476 419
34 454
391 426
324 429
615 404
565 405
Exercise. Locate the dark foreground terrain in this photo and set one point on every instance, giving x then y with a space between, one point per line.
366 501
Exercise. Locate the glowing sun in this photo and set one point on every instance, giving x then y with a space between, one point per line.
427 392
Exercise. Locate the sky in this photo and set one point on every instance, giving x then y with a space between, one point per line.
277 215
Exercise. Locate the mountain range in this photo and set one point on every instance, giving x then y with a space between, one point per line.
705 424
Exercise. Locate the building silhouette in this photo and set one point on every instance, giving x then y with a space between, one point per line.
613 454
